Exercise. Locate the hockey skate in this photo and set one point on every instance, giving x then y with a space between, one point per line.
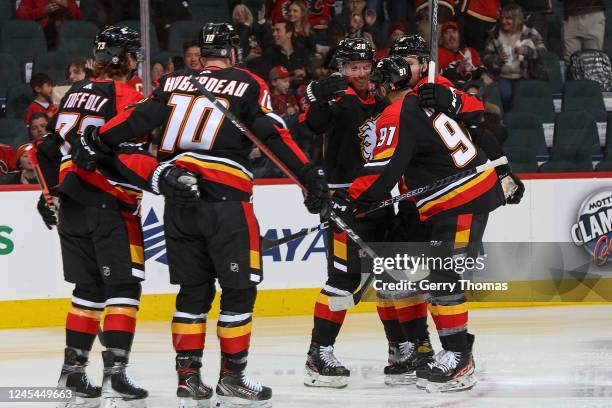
323 368
118 389
451 370
73 376
191 391
236 390
404 359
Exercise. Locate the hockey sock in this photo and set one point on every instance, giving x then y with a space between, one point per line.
189 320
234 332
83 320
451 323
234 327
412 315
388 317
120 319
188 333
327 323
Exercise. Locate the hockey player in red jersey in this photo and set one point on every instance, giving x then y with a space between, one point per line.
99 225
421 145
342 107
218 239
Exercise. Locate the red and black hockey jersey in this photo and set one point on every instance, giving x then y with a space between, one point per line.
197 136
423 146
350 134
92 102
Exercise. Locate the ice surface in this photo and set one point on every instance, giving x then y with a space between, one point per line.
525 357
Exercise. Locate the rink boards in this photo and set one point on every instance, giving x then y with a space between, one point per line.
33 292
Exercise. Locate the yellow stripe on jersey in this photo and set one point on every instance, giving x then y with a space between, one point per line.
215 166
455 192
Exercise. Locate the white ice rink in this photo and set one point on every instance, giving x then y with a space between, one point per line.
525 357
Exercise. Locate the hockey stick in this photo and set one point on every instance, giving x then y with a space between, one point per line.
30 151
396 199
433 40
265 150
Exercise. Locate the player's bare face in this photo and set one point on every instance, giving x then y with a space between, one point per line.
416 69
357 74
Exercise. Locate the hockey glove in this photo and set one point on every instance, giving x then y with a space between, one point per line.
326 89
440 98
342 206
513 186
178 185
88 149
313 178
48 215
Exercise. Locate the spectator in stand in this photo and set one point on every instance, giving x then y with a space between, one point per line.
303 36
157 71
243 21
584 26
459 64
283 52
319 11
513 52
283 103
7 159
178 62
356 20
25 171
42 85
479 17
446 11
535 15
191 54
78 70
49 14
37 126
397 29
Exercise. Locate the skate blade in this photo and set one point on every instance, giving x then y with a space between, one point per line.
234 402
192 403
326 381
400 379
81 402
122 403
462 384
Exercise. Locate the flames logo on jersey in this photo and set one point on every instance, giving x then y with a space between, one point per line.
367 134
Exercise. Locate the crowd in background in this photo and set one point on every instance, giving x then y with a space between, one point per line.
483 45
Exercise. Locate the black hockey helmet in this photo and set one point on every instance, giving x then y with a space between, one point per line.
113 43
218 40
412 45
353 49
393 73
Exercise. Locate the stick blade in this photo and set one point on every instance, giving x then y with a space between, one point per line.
337 303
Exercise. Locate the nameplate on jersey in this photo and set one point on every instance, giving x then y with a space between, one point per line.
84 100
214 85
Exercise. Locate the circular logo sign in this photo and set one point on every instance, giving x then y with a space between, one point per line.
593 227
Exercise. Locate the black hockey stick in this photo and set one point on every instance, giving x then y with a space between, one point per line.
396 199
433 40
265 150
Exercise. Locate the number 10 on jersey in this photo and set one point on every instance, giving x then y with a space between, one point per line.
193 123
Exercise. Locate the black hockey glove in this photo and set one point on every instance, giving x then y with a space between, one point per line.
440 98
326 89
88 149
48 215
342 206
313 178
513 186
180 186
